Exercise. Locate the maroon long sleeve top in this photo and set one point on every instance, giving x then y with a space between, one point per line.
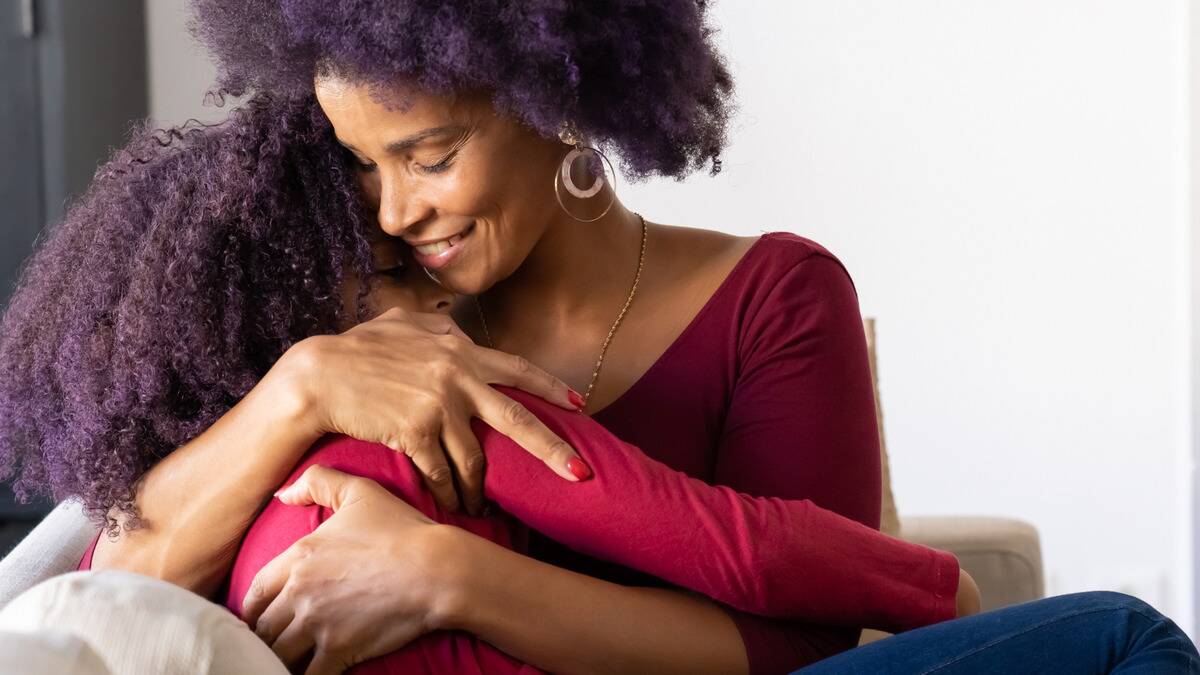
767 396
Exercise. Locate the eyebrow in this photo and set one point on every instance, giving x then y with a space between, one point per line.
408 142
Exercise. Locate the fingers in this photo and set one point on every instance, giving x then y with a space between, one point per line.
516 371
513 420
326 663
427 453
269 582
274 619
293 643
321 485
468 459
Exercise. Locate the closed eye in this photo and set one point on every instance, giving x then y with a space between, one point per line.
396 272
441 166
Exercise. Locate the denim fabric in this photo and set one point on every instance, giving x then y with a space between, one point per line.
1094 632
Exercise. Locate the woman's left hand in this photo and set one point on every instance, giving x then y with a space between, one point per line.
367 581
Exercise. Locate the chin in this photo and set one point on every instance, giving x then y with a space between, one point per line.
453 280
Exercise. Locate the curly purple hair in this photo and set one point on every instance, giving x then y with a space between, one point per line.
197 256
639 76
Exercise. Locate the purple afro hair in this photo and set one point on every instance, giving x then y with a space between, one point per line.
639 76
197 256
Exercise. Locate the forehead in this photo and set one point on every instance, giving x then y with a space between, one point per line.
364 113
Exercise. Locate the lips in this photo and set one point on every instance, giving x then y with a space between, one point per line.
439 253
438 246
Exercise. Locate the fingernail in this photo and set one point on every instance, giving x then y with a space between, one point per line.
579 468
575 398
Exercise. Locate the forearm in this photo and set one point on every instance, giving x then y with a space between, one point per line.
566 622
738 549
198 501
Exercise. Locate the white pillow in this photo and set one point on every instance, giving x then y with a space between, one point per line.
48 651
138 624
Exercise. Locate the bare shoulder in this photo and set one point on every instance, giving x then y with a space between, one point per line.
693 247
686 265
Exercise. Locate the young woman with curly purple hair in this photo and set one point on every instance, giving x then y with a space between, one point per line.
213 307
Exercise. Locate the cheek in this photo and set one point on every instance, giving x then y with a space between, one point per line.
389 294
467 191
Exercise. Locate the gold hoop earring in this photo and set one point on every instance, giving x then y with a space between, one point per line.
431 277
563 175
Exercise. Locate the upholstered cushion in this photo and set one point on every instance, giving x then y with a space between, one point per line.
1003 555
889 522
53 547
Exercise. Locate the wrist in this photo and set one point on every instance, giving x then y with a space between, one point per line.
460 583
287 392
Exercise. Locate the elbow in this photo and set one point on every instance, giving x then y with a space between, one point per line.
131 551
156 556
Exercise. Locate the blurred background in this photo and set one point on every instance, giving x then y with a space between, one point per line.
1014 187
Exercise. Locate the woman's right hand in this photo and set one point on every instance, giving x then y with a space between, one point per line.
413 382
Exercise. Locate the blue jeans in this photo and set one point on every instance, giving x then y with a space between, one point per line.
1094 632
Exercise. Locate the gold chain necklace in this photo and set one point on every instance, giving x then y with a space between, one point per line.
612 331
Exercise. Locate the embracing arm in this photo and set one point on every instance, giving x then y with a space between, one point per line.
568 622
565 622
406 381
193 516
737 549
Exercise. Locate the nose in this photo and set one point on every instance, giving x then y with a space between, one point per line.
400 206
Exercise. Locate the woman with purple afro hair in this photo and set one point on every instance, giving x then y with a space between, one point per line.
415 206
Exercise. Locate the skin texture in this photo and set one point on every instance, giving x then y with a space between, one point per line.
456 180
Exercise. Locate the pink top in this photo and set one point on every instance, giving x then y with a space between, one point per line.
758 459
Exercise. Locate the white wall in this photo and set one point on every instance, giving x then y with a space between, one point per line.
180 73
1194 263
1008 183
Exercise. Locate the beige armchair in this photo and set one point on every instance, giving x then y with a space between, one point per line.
1003 555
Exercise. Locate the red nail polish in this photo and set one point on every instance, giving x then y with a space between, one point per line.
577 466
575 399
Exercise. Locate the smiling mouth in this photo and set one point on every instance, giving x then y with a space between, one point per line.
443 245
438 246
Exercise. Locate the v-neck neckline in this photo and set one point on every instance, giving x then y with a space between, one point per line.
705 309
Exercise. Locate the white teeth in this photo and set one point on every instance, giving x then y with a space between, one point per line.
439 246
